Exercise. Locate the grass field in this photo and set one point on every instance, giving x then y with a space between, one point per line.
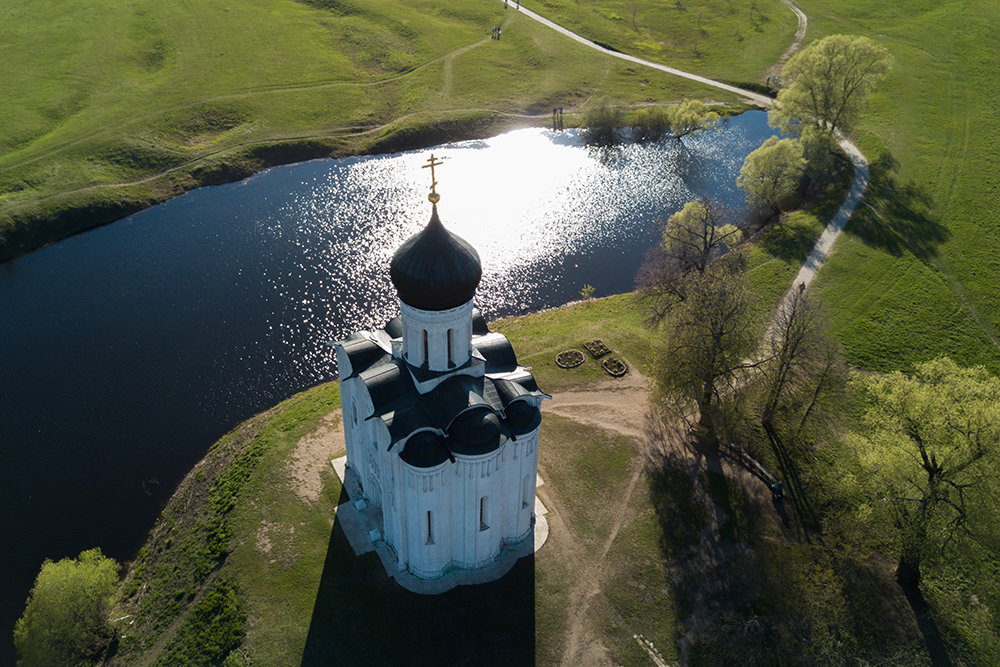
645 552
110 106
917 273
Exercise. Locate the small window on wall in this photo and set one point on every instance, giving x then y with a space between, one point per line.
450 362
430 531
354 413
483 514
525 491
426 356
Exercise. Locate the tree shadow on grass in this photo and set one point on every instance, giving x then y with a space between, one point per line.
895 217
361 616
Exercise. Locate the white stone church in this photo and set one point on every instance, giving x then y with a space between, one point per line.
441 422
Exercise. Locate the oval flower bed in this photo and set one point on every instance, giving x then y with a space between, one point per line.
614 367
569 359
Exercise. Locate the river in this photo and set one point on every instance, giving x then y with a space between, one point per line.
127 350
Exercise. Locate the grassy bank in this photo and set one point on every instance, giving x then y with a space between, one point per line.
916 274
129 104
647 552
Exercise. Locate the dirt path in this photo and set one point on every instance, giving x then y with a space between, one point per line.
800 33
619 405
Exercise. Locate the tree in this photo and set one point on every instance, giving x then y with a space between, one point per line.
772 172
602 121
710 336
66 619
803 376
691 116
929 448
825 85
692 238
650 124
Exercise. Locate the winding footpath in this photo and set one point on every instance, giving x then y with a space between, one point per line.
859 182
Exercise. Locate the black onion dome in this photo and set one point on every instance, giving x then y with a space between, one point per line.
434 269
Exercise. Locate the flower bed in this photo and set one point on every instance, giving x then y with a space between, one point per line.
615 367
569 359
597 348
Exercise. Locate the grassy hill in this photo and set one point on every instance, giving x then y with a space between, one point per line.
649 551
111 106
916 275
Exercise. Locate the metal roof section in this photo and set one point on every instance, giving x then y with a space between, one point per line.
394 327
389 386
362 353
425 449
479 326
497 351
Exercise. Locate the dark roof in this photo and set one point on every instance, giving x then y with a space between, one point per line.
389 386
435 269
394 327
497 351
362 353
425 450
475 431
522 417
479 326
463 414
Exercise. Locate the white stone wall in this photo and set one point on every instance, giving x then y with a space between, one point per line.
477 505
435 325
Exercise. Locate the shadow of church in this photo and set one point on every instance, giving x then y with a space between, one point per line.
361 616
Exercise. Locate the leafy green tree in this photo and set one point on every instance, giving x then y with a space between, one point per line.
825 85
929 450
691 116
697 233
803 377
772 172
66 619
602 122
650 124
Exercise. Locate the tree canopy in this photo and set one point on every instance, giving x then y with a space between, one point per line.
691 116
65 621
772 172
930 449
825 83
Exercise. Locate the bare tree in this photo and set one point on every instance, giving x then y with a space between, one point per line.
709 338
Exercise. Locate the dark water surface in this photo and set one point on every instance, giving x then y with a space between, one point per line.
126 351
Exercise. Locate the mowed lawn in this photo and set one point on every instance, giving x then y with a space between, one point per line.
111 106
917 274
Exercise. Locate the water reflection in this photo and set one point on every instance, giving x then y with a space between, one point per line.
127 350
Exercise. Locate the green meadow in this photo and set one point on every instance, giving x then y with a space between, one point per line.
109 107
917 275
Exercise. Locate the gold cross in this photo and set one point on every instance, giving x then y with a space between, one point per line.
434 197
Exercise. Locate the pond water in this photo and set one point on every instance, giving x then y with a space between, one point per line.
127 350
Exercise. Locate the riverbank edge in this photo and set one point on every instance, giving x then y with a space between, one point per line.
38 226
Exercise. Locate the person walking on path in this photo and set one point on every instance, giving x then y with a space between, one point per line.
505 4
518 5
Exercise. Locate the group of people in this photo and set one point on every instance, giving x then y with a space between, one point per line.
557 118
496 32
518 4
